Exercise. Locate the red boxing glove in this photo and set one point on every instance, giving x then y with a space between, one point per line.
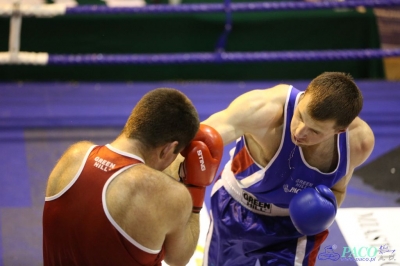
202 158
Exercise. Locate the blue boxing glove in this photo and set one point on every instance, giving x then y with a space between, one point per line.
313 210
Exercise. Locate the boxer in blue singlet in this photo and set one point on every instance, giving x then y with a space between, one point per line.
294 156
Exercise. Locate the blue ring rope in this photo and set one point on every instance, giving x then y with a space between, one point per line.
221 7
224 57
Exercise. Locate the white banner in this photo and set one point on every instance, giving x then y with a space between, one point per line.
372 236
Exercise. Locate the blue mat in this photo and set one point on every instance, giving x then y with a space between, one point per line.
38 121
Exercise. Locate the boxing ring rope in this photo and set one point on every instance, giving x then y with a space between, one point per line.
49 10
16 11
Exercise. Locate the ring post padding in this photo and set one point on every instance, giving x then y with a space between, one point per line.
15 32
24 58
37 10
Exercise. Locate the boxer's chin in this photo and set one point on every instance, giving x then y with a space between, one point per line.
297 142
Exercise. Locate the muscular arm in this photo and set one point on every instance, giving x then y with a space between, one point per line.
339 189
182 237
362 142
253 113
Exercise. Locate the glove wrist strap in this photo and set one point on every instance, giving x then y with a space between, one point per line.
197 194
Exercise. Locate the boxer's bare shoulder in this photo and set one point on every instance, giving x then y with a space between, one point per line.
362 141
67 166
144 198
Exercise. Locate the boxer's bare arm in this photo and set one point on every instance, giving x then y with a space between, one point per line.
180 224
181 241
362 142
339 189
252 112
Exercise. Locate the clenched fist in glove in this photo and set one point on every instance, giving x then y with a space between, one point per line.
313 210
202 158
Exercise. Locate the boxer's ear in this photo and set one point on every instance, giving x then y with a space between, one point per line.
168 148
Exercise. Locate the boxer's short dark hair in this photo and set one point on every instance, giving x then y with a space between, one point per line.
163 115
335 96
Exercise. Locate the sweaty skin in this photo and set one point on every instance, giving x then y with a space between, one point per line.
261 122
130 196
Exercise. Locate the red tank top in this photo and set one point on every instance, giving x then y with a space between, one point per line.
77 227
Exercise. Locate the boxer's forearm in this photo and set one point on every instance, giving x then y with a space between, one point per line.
188 245
192 232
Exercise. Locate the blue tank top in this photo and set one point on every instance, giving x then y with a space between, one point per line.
287 173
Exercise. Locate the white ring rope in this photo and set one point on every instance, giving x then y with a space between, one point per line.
39 10
23 58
